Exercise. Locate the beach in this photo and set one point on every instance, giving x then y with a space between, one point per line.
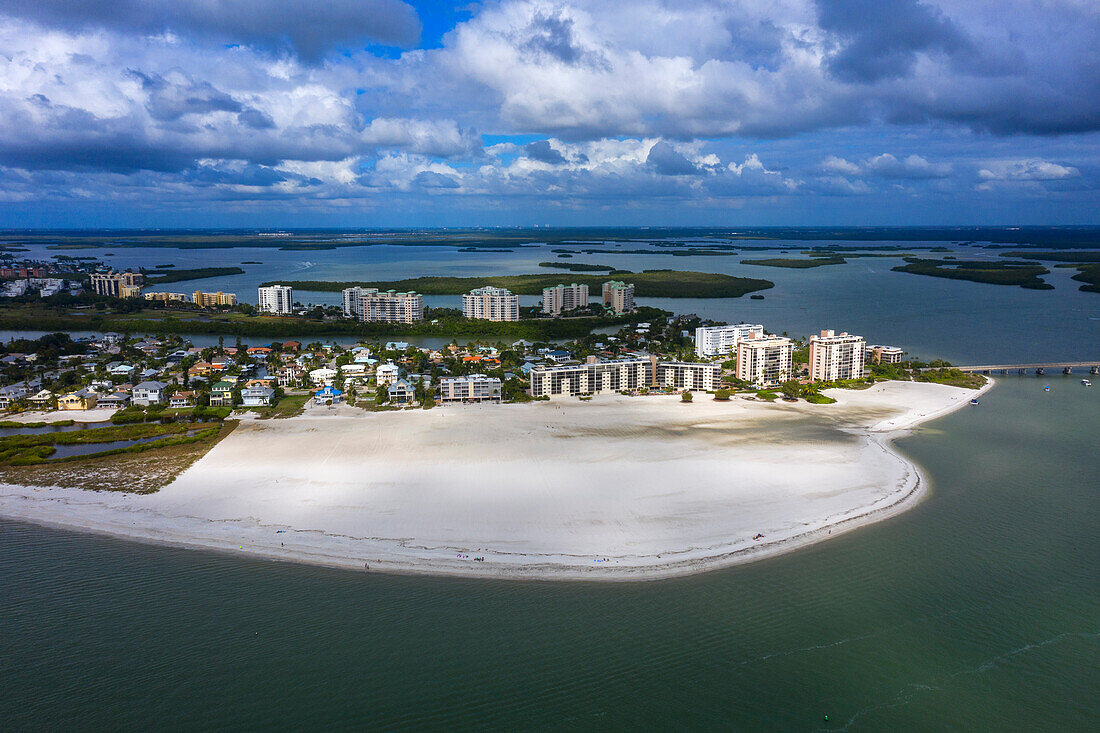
615 488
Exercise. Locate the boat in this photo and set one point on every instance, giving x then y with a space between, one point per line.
1046 387
974 401
1086 382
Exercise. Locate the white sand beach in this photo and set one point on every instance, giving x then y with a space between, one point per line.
615 488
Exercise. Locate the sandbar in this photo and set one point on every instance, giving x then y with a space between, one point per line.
615 488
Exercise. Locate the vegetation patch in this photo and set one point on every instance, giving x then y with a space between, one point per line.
1090 276
1023 274
663 284
579 267
797 263
157 277
952 377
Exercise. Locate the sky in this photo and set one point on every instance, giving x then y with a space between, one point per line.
364 113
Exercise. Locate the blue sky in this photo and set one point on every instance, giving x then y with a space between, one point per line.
519 112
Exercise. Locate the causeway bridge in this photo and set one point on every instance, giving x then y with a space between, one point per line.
1067 367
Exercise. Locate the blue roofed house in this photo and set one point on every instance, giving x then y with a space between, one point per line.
328 396
401 393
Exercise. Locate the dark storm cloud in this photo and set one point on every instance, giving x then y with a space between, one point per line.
311 28
664 159
553 35
540 150
255 119
171 100
881 40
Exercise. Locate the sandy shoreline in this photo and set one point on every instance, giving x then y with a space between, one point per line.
613 489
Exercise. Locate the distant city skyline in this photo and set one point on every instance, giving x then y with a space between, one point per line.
381 113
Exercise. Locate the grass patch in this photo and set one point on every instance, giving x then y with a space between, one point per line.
819 399
1022 274
288 406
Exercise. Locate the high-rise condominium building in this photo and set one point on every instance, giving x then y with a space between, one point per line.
564 298
765 360
389 306
622 375
277 299
618 296
491 304
111 283
722 340
469 388
836 356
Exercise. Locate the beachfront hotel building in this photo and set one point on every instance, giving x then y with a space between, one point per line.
765 360
722 340
167 297
623 375
877 354
836 356
388 306
561 298
618 296
117 284
210 300
277 299
469 388
491 304
688 375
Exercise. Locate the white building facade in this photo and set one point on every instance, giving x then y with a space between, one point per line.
387 306
764 361
561 298
878 354
277 299
722 340
491 304
836 356
469 388
688 375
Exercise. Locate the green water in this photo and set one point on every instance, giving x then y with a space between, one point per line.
977 610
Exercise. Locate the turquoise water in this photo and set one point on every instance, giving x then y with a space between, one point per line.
977 610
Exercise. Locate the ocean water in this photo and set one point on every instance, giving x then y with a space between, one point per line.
963 322
977 610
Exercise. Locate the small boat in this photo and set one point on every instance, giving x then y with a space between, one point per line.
1046 387
974 401
1086 382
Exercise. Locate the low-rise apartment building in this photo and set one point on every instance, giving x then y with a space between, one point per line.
212 300
878 354
765 360
722 340
688 375
836 356
469 388
491 304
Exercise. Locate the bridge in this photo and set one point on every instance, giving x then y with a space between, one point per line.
1067 367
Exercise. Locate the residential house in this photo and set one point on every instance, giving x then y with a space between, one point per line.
11 394
221 394
118 369
182 400
257 396
114 399
84 399
290 375
328 396
322 377
401 393
386 374
149 393
41 399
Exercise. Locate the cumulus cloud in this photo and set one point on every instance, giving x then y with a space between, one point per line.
542 151
1032 169
310 28
665 159
887 166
